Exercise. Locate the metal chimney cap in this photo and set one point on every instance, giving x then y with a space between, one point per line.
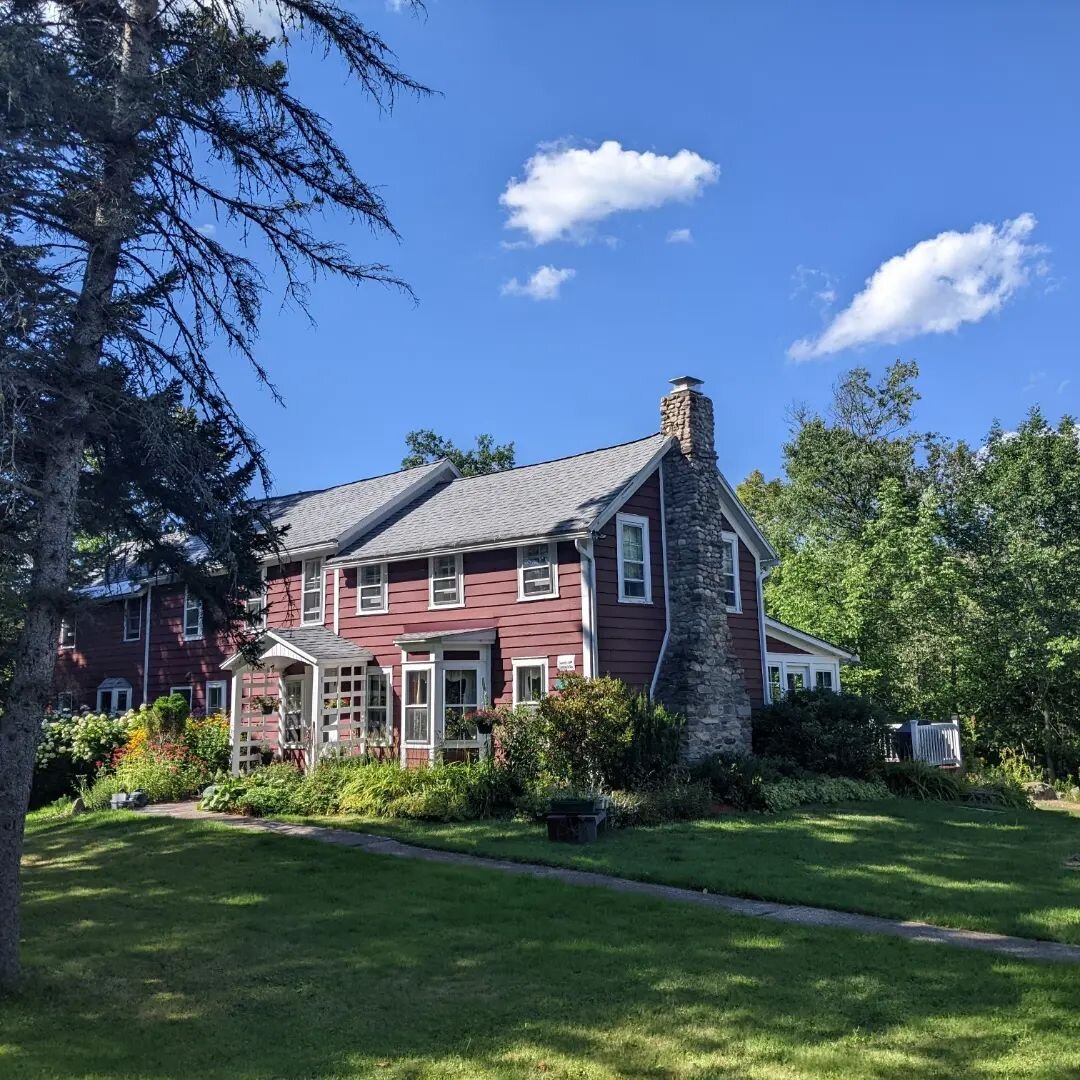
685 382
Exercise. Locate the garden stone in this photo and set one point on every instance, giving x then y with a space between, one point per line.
119 801
138 799
77 807
1041 792
208 792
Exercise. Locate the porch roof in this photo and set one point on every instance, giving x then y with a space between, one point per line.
480 635
307 644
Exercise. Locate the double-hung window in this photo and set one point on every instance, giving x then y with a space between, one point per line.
311 603
417 706
67 633
215 697
371 596
538 572
193 616
447 588
114 696
732 593
255 607
632 548
132 619
530 682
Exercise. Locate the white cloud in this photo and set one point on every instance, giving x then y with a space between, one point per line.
543 284
207 228
567 190
680 236
933 288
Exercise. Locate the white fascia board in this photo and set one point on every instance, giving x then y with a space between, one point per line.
433 552
799 639
639 478
444 470
747 528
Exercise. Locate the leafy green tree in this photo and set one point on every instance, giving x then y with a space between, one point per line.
1017 524
132 132
486 457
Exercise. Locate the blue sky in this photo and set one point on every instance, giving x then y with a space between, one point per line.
821 141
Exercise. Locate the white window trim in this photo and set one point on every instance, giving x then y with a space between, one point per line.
388 674
460 572
643 523
733 539
417 744
61 696
111 692
189 690
224 695
482 700
553 562
806 661
66 623
529 662
385 606
137 601
196 636
260 622
304 619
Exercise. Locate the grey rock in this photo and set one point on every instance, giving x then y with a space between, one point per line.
77 807
1041 792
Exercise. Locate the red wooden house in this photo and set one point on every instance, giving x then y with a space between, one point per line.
406 602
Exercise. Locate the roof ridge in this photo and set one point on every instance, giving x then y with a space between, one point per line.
349 483
553 461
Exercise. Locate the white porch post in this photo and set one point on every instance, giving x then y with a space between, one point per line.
235 717
316 712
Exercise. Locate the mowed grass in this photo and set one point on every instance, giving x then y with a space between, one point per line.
940 863
163 949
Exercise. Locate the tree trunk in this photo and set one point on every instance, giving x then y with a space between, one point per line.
35 657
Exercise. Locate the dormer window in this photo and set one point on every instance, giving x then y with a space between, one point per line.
538 573
446 587
311 605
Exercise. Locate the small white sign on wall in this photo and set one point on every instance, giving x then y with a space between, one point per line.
566 663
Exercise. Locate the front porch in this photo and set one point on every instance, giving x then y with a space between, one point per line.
310 692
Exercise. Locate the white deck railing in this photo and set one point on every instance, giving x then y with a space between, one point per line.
936 744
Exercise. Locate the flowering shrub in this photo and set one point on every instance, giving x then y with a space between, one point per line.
164 770
208 738
96 736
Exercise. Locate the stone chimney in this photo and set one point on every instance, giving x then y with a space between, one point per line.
700 675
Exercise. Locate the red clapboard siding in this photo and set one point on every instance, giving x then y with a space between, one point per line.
629 635
772 645
745 625
175 661
525 628
101 653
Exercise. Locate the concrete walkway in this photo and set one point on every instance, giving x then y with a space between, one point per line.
1015 947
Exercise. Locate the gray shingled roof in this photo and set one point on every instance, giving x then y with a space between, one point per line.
320 517
320 643
553 498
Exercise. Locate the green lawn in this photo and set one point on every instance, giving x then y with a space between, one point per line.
938 862
168 950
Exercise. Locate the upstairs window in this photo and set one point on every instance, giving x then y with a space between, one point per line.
132 619
311 605
632 542
447 589
193 616
732 594
371 598
185 692
538 574
255 608
67 633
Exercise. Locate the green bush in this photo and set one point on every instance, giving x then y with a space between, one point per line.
826 733
209 739
995 791
521 747
165 771
226 794
166 717
789 793
96 736
71 750
918 780
670 801
736 780
656 737
269 790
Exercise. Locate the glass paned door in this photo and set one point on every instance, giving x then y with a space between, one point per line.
798 676
461 699
418 706
292 712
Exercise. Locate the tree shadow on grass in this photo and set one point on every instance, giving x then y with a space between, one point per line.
175 950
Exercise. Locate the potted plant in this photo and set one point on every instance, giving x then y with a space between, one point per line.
577 802
485 720
266 705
